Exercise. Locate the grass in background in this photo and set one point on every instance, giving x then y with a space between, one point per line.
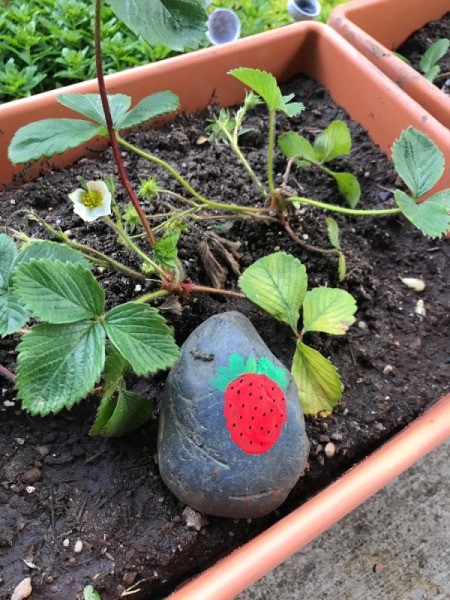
46 44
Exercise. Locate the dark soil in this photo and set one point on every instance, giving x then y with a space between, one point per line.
108 493
417 44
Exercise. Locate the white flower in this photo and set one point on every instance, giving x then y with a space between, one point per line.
93 203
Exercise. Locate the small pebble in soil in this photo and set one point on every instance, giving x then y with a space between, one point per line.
66 543
23 590
419 309
31 476
43 451
385 195
194 519
78 547
198 458
129 578
330 450
418 285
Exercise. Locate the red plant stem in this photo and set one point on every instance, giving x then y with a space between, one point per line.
7 373
109 124
301 242
192 287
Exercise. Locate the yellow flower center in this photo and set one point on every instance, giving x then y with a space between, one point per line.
91 199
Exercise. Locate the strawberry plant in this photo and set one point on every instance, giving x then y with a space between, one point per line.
332 143
428 62
61 358
277 283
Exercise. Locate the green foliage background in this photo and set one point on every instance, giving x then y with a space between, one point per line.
46 44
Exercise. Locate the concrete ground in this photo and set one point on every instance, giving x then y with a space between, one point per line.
396 546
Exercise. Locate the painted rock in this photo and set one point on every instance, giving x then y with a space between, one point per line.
231 439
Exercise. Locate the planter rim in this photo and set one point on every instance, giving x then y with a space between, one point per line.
356 23
244 566
119 76
318 514
14 114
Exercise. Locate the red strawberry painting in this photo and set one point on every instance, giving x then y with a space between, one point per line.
255 405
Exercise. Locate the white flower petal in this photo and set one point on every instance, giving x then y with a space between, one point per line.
100 211
83 212
76 195
98 186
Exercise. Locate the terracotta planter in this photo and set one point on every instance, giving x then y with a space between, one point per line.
377 27
384 110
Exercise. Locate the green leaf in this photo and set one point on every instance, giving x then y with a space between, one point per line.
166 251
49 137
90 594
329 310
277 283
403 58
333 232
333 142
113 382
348 186
178 24
431 217
318 382
58 365
433 54
90 105
58 292
50 250
432 73
333 236
342 267
442 198
149 108
141 335
8 252
13 315
418 161
292 109
266 86
115 367
121 414
292 144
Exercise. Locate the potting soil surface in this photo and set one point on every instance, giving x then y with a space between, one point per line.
58 485
419 42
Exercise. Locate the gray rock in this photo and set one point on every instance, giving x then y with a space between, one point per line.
198 460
